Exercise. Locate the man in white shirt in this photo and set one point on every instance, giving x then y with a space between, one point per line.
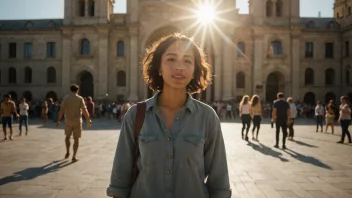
23 115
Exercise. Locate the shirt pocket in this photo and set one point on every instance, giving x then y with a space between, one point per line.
194 146
148 147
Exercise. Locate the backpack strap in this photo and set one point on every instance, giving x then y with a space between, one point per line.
138 123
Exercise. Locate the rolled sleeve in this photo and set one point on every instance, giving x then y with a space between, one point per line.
120 182
215 163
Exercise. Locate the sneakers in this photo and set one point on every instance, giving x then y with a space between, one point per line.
74 159
340 142
276 146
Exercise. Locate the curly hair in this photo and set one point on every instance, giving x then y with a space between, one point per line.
152 62
255 100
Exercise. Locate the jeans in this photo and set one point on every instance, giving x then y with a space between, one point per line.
23 118
290 128
283 125
344 125
246 120
319 121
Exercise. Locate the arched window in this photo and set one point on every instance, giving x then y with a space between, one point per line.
309 77
51 24
240 80
329 77
12 75
51 75
27 95
81 8
91 8
120 49
277 48
28 75
13 95
269 8
309 98
347 75
240 48
29 24
121 79
85 45
51 94
279 8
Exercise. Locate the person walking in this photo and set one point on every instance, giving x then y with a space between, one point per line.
330 116
345 119
282 117
180 142
256 114
24 107
293 114
73 106
245 116
7 110
319 113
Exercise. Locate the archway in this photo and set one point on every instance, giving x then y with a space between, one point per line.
27 95
309 98
13 96
51 94
330 96
86 85
274 84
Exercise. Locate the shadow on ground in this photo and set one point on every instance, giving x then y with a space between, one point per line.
34 172
307 159
305 144
267 151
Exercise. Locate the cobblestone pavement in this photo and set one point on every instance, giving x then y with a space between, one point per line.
312 166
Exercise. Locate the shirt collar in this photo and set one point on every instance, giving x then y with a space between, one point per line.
153 101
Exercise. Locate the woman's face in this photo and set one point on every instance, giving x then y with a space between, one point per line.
177 65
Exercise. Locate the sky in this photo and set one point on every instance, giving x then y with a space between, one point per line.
54 9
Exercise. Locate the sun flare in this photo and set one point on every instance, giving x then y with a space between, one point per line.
206 14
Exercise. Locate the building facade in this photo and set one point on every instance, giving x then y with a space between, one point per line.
271 49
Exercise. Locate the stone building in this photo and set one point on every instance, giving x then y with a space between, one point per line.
270 49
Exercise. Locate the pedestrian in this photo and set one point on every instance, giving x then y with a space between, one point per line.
180 141
229 110
256 115
8 109
73 106
23 115
45 110
293 114
330 116
319 113
345 119
282 118
245 116
90 107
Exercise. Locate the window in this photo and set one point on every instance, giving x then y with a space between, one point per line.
276 46
91 8
348 82
240 49
85 47
329 77
120 49
329 50
349 10
278 8
51 75
347 48
309 76
51 49
309 50
28 50
269 8
81 8
28 75
121 79
240 80
12 50
12 75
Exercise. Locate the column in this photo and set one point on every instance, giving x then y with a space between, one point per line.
227 72
133 79
258 62
103 68
66 62
217 76
86 8
295 68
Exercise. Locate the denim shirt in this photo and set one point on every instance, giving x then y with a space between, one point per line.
187 162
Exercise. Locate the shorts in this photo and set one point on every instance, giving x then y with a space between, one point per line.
6 120
75 129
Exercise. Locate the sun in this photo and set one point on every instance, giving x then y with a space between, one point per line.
206 14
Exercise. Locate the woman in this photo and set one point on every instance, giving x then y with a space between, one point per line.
245 116
45 110
256 114
319 112
180 141
293 115
330 116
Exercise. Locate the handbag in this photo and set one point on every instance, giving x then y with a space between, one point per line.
141 108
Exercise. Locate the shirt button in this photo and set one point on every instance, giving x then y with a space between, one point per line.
169 157
168 139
